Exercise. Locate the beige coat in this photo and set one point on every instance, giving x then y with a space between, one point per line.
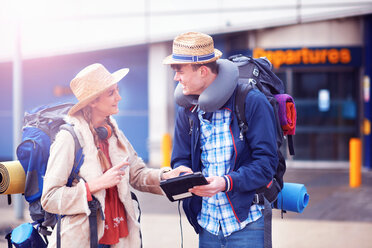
72 201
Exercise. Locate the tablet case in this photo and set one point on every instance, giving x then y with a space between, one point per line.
177 188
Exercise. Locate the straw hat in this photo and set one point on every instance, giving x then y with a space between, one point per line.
193 48
90 82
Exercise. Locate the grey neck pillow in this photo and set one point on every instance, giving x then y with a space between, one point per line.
217 93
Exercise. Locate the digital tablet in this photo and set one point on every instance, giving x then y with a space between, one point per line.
177 188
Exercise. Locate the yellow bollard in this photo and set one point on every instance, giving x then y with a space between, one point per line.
355 171
166 148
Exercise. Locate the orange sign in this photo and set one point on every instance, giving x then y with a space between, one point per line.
305 56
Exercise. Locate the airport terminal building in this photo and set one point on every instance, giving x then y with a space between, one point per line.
324 57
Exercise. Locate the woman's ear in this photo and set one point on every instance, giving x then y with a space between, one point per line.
93 103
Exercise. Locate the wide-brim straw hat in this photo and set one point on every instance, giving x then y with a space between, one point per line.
92 81
193 48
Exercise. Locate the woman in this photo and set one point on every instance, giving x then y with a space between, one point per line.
110 166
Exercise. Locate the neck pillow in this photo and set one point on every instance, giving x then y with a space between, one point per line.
217 93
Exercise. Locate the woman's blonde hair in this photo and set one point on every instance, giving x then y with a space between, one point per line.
87 114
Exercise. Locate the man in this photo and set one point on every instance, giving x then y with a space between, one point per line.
223 212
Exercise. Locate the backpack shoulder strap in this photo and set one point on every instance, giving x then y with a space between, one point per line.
79 159
191 121
241 94
79 156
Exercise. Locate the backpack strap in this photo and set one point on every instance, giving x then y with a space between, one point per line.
79 159
79 156
134 198
290 145
8 238
240 96
94 206
58 234
191 123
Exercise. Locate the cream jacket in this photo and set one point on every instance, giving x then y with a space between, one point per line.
72 201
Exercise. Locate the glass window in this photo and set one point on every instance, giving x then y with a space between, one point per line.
326 104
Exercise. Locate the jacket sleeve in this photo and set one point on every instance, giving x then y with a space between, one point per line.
261 140
57 198
141 177
181 151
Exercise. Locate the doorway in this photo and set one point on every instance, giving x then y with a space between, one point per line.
327 111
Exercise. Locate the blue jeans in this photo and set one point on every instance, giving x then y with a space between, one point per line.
252 236
103 246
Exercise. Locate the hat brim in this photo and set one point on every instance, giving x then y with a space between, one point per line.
170 61
117 76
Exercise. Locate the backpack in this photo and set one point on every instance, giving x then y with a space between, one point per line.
40 127
258 74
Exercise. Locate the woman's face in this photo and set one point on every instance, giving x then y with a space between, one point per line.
107 103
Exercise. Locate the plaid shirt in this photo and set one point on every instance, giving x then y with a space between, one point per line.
217 149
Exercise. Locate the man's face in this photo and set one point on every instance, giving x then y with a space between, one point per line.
191 81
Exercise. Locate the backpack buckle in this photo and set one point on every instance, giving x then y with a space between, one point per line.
256 199
243 130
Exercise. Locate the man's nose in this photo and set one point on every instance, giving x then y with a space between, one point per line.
176 77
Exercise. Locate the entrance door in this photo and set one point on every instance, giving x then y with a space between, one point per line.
327 112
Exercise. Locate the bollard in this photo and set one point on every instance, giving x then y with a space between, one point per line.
166 147
355 170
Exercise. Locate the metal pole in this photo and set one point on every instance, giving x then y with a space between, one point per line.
17 109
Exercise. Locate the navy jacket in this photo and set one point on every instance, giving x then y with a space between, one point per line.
254 159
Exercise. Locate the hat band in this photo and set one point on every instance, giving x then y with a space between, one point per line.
192 58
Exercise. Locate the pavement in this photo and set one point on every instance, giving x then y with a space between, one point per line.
336 216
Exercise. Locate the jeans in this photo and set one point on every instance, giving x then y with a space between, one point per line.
103 246
251 236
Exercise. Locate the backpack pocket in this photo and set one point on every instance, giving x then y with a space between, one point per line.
26 236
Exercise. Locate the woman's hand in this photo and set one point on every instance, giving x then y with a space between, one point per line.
110 178
214 186
176 172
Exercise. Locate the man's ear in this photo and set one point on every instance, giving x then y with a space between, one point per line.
204 71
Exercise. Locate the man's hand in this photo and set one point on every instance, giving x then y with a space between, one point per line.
176 172
216 185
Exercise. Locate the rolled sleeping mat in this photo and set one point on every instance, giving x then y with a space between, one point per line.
12 178
293 197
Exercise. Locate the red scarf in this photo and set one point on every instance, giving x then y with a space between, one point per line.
115 217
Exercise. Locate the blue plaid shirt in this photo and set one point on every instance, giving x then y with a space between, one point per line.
217 149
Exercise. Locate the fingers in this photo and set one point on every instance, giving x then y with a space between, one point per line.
119 169
202 191
117 177
122 166
209 179
216 185
182 170
117 172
